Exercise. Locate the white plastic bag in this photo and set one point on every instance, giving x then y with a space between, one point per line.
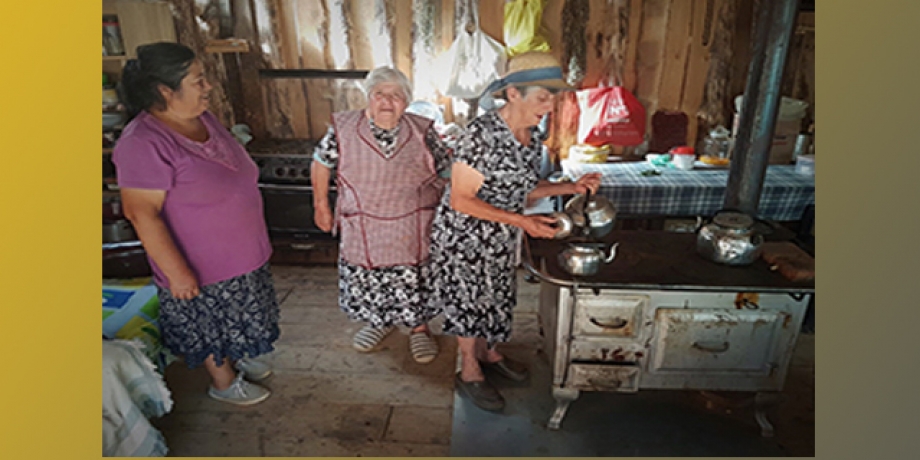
474 60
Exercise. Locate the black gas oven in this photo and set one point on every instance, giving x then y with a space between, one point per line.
287 195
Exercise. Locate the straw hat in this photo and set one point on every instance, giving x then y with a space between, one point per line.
533 68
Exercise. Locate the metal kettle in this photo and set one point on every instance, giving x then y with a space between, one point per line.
586 258
729 238
595 214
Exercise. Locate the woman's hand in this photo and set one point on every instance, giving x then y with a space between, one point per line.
184 285
322 217
539 226
589 181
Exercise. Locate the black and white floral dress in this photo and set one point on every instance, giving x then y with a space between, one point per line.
473 261
384 296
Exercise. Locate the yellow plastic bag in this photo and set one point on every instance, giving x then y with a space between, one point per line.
522 27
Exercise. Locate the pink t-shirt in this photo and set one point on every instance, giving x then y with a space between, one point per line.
213 207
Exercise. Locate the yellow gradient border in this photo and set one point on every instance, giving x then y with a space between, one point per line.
50 264
869 70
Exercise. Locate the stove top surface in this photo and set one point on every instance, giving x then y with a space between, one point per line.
298 147
283 161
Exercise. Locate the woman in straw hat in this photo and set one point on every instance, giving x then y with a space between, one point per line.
478 222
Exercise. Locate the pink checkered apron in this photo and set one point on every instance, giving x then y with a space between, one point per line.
385 205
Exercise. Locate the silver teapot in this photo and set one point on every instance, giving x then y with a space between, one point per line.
586 258
730 238
594 214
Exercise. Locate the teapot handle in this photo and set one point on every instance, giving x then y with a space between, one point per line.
613 253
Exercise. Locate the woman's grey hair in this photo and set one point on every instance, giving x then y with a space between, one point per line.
387 75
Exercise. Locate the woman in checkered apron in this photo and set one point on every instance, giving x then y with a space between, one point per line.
388 166
478 222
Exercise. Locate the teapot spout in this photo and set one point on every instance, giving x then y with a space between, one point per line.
613 253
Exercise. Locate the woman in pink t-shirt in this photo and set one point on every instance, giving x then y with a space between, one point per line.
191 192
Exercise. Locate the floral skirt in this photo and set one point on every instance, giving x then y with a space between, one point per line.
386 296
234 318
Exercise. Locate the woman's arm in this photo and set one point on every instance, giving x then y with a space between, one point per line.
465 183
142 207
325 157
439 151
590 181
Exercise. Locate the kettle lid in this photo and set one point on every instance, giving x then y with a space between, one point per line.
735 220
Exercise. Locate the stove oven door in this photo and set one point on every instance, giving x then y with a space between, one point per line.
289 211
720 349
289 216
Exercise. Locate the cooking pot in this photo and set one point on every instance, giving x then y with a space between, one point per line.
596 214
586 258
128 262
729 238
564 225
116 231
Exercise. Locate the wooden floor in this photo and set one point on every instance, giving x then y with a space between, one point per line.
329 400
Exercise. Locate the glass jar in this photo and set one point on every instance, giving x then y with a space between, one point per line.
111 37
716 147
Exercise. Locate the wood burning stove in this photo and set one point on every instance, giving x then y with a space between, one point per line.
287 196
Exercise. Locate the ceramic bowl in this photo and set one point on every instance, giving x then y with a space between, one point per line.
111 119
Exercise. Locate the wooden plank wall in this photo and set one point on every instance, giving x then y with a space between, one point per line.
667 52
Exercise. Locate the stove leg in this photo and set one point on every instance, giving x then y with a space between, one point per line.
764 401
564 397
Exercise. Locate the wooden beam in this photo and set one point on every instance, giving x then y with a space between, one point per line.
674 57
492 18
360 18
630 70
599 35
575 57
190 34
716 105
402 35
649 53
313 43
227 45
701 32
243 70
741 50
275 94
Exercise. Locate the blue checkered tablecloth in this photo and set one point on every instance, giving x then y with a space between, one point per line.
700 192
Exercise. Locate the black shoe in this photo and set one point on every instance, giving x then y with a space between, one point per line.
483 394
507 368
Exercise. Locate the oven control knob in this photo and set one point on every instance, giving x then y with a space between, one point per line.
279 171
292 172
305 172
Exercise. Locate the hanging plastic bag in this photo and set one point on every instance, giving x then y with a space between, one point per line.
610 115
474 60
522 26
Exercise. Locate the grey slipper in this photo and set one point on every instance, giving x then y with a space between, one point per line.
507 368
483 394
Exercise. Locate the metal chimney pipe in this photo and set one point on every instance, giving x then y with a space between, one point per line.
757 120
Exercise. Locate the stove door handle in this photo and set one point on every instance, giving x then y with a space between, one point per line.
712 347
618 323
286 187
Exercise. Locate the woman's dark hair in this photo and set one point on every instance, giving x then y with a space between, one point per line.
163 63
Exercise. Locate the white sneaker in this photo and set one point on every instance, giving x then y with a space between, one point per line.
255 371
240 392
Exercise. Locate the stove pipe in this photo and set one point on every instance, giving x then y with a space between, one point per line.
757 120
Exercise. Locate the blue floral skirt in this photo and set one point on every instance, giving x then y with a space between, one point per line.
234 318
